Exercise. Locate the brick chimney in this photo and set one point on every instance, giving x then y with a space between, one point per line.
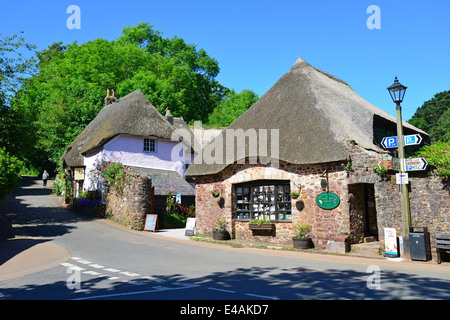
110 99
169 116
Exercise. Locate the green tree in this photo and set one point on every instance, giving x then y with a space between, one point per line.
434 117
69 89
9 173
187 74
231 107
14 68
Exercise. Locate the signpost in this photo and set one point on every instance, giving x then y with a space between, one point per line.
411 140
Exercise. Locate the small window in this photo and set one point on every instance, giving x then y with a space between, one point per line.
149 145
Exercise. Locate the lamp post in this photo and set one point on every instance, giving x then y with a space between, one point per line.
397 92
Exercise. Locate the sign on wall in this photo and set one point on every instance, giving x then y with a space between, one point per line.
327 200
78 173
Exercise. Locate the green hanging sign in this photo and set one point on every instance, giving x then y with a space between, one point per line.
327 200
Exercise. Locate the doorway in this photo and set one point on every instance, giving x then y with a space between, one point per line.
363 214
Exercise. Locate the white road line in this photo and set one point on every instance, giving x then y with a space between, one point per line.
111 270
130 274
155 289
222 290
263 297
96 266
84 261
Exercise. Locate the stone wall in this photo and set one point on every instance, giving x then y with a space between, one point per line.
430 200
131 206
429 195
326 224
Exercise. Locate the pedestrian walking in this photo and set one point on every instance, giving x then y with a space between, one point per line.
45 178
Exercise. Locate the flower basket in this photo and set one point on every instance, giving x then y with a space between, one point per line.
294 195
302 239
221 235
215 193
301 243
263 226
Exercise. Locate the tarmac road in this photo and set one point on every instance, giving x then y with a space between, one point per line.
59 254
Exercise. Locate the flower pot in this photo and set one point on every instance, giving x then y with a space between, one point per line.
221 235
294 196
264 226
215 194
301 243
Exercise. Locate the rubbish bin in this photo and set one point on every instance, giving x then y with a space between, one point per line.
419 244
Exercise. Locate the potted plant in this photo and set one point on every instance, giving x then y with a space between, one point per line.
215 193
219 231
302 238
261 224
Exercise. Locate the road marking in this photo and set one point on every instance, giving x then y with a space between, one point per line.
96 266
263 297
130 274
222 290
111 270
155 289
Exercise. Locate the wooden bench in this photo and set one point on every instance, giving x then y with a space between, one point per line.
442 244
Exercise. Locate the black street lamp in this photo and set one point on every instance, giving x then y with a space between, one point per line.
397 92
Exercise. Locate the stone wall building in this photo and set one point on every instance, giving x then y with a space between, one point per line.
319 136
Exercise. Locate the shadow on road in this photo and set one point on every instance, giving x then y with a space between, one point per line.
241 283
32 211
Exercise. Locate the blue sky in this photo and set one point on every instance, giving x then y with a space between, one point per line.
256 42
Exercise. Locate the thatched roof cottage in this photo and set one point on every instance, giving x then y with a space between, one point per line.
132 131
312 133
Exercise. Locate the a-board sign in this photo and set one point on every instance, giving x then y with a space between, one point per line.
327 200
151 222
390 242
190 227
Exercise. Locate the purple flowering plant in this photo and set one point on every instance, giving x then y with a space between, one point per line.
303 231
221 225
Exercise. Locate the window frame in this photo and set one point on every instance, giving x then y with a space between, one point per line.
147 147
264 196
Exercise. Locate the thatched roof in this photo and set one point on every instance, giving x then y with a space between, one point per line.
315 114
132 115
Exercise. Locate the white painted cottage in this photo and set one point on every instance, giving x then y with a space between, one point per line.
132 131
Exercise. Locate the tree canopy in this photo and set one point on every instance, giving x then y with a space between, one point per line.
434 117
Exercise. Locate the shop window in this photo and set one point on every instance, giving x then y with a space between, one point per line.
264 199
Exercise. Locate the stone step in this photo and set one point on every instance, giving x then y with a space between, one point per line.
369 248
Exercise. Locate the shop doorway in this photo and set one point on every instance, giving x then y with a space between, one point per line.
363 214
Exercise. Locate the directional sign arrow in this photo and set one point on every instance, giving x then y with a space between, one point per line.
416 164
411 140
